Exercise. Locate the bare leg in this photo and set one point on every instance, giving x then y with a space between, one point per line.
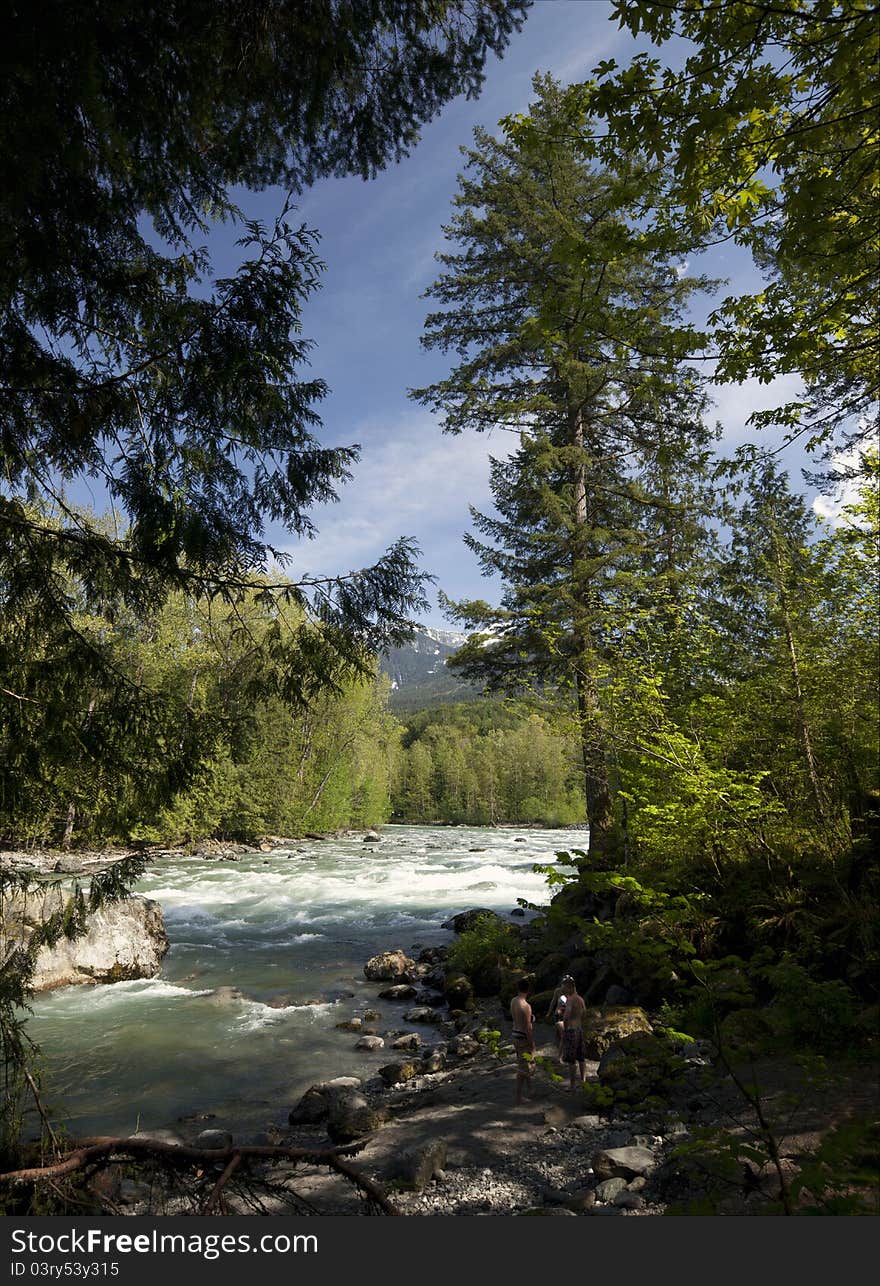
582 1068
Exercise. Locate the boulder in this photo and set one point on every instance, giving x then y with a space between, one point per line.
411 1040
464 1046
466 919
434 1062
608 1189
370 1043
401 991
641 1066
606 1027
214 1140
312 1108
371 1015
414 1168
315 1104
123 940
351 1116
627 1200
422 1014
389 966
623 1163
459 991
400 1072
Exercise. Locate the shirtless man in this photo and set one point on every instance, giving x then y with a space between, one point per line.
574 1051
523 1038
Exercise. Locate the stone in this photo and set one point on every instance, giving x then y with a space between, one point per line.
464 1046
351 1116
422 1014
606 1027
370 1042
401 991
629 1200
123 940
608 1189
411 1040
414 1168
372 837
587 1122
389 966
350 1024
625 1163
371 1015
465 919
400 1072
434 1062
215 1140
312 1108
459 991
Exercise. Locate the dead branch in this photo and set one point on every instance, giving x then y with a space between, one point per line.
361 1181
221 1183
88 1150
91 1151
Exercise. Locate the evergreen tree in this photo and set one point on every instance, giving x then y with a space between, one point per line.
127 362
583 359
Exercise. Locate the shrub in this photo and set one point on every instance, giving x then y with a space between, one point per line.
487 943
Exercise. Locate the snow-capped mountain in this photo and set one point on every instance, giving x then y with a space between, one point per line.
418 671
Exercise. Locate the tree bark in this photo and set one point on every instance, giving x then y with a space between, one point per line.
593 749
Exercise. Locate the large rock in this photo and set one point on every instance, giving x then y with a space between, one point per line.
459 991
390 966
606 1027
402 1071
466 919
351 1116
414 1168
123 940
623 1163
315 1104
641 1066
400 991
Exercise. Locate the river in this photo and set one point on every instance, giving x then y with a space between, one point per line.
283 929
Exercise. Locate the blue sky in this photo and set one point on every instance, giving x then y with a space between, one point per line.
378 241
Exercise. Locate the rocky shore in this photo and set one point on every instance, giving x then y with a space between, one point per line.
437 1128
439 1132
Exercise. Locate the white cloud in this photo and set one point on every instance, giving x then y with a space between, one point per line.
831 507
734 403
411 480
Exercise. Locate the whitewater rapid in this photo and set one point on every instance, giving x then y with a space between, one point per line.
266 956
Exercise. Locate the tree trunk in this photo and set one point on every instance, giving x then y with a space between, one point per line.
593 750
818 794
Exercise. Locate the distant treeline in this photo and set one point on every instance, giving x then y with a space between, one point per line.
487 761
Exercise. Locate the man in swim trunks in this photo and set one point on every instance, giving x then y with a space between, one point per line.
574 1052
523 1038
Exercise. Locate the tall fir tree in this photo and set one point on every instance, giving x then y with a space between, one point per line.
585 361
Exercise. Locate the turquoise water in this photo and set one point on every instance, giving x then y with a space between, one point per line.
226 1028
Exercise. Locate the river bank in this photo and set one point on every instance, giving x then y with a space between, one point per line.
263 994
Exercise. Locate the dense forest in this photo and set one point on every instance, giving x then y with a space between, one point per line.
681 656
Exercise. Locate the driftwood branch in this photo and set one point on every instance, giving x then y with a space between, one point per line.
85 1151
361 1181
214 1199
95 1151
